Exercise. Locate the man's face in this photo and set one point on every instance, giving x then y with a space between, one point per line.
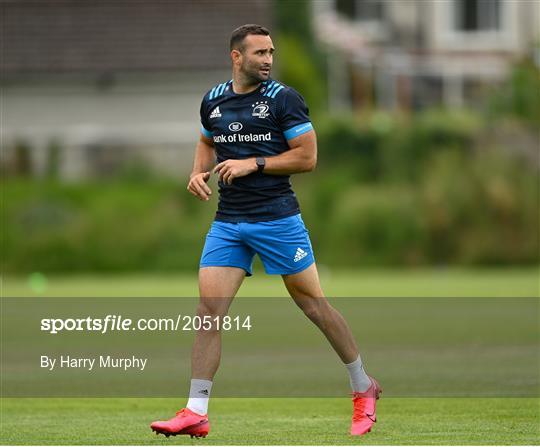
255 61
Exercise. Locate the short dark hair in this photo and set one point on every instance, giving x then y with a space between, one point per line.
240 33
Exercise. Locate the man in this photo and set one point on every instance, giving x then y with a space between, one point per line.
261 133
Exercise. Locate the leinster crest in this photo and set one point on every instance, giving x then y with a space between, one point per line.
260 109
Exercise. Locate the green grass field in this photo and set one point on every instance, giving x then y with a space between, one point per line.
493 351
508 282
273 422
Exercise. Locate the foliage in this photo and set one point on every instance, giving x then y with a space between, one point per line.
385 147
299 60
436 188
519 97
475 208
294 18
299 70
106 226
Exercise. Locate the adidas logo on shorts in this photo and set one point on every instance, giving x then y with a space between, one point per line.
215 113
300 254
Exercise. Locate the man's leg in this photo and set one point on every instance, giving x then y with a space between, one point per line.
284 247
225 261
306 291
217 288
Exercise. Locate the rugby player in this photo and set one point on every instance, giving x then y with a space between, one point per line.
260 132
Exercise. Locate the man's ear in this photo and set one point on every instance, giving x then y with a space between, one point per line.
236 56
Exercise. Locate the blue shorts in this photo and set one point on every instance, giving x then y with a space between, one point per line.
283 245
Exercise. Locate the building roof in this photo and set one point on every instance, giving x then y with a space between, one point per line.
111 35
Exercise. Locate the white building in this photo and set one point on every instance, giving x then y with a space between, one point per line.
415 53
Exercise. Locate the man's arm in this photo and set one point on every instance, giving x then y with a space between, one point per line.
301 157
204 160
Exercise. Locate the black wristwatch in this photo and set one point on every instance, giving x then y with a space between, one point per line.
261 163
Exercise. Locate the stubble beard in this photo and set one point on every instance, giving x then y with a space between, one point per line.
251 75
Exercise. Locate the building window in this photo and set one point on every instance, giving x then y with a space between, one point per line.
361 10
477 15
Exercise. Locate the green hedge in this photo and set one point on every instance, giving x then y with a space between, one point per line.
382 147
110 226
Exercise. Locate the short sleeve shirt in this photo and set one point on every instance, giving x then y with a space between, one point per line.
255 124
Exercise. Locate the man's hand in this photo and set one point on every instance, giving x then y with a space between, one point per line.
198 187
228 170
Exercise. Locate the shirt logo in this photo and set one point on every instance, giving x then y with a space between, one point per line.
260 109
215 113
235 127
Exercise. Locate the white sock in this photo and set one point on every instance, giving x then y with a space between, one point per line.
359 379
199 395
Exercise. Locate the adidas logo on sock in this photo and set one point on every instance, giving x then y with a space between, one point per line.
215 113
205 392
300 254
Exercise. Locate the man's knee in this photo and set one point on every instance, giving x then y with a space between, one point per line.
212 307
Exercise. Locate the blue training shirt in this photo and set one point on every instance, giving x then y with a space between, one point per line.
255 124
